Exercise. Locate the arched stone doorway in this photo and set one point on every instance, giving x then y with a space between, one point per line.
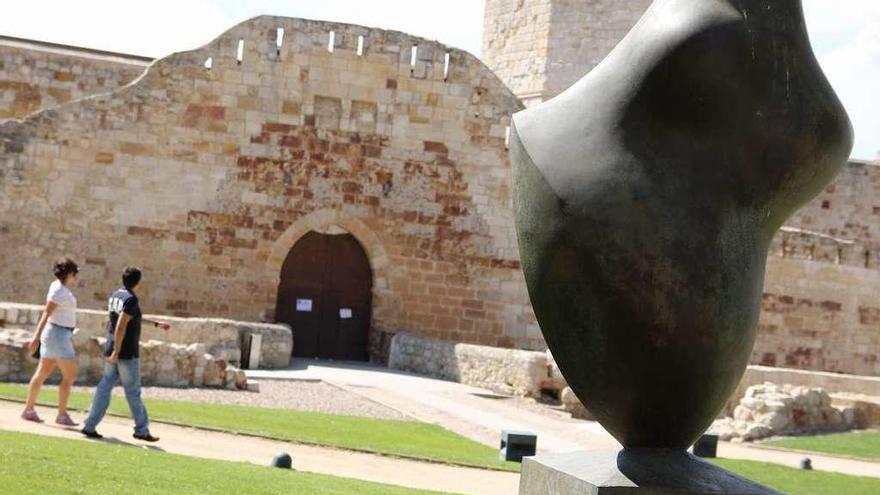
325 295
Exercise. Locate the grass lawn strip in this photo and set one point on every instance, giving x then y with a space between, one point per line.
859 445
408 439
799 482
36 465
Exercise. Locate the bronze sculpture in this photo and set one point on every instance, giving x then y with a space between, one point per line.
646 196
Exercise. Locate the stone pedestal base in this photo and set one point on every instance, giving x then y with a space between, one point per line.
630 472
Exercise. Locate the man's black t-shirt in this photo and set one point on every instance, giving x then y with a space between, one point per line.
124 301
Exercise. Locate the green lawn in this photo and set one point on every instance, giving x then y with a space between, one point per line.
798 482
865 445
398 438
32 464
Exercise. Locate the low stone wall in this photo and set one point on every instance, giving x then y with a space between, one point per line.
162 363
506 371
277 346
527 373
221 338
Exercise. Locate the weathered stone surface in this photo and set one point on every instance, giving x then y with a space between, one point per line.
35 75
506 371
277 344
768 410
639 472
219 337
818 312
442 261
234 163
836 384
162 363
541 47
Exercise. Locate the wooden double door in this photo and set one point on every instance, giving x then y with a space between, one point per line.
325 295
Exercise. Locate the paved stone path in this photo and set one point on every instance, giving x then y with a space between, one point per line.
470 411
224 446
481 415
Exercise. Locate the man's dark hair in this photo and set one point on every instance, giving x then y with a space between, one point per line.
131 276
64 267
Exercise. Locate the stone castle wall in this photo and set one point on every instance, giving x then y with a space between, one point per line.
206 177
35 76
541 47
516 44
820 308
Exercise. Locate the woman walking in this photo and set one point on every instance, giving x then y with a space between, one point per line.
53 341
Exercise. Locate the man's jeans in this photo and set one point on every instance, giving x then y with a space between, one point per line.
128 371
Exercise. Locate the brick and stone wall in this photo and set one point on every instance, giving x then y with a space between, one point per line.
36 75
206 178
821 306
541 47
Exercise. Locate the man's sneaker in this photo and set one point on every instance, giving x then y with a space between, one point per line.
31 416
94 435
65 420
146 438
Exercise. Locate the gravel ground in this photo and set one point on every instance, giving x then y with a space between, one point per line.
297 395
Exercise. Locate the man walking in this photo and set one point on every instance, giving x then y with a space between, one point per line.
123 352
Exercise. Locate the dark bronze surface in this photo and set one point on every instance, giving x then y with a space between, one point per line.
646 196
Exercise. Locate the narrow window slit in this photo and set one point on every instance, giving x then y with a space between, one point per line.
209 62
414 55
279 40
446 67
331 45
507 138
360 50
239 56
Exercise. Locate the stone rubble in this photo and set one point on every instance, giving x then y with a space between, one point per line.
162 363
769 410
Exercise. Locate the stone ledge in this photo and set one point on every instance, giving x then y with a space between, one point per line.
222 338
630 472
506 371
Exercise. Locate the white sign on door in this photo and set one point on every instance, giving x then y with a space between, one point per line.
304 305
344 313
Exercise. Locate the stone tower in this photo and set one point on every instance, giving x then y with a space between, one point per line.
540 47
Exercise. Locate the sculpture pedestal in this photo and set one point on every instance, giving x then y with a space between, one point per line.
630 472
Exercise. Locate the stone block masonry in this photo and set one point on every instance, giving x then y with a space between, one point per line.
36 75
541 47
821 309
505 371
232 164
208 177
